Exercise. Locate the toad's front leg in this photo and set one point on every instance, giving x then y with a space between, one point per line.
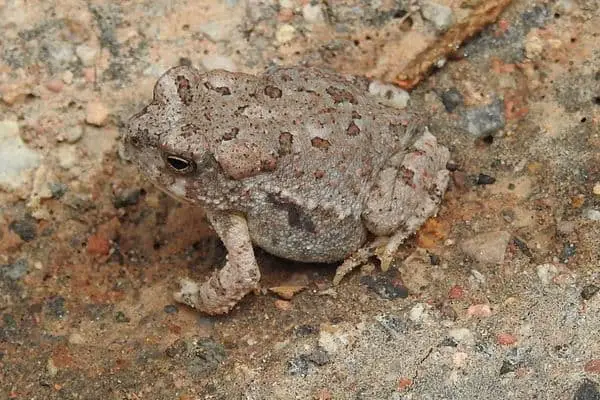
238 277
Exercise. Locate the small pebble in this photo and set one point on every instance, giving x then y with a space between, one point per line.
588 390
592 366
596 189
385 287
313 13
285 34
97 244
67 77
451 99
591 214
488 247
86 54
546 272
485 120
438 14
120 317
479 310
51 368
589 291
96 113
16 270
170 309
16 157
76 338
55 85
506 339
483 179
456 292
462 335
390 94
416 313
25 227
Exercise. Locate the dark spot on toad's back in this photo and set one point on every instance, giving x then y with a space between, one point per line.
318 174
320 143
352 129
223 90
297 218
184 89
285 143
340 95
189 130
408 176
273 92
231 134
356 115
269 164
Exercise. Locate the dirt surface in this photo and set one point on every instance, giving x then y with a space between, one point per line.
494 298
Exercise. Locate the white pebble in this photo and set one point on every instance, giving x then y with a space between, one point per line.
389 94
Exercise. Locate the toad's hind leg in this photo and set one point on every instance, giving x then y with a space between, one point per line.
407 192
237 278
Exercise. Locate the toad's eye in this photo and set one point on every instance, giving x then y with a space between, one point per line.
180 165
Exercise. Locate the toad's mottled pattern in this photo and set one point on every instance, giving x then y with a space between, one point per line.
298 161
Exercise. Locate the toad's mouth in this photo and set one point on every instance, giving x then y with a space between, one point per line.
170 193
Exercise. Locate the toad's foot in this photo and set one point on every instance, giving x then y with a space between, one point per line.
384 248
238 277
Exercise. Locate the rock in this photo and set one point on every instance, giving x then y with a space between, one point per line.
51 368
86 54
588 390
96 113
487 247
462 336
479 310
16 270
485 120
438 14
17 158
505 339
596 189
589 291
546 272
484 179
98 245
385 287
591 214
298 366
71 135
335 338
25 227
390 94
313 13
55 85
285 33
214 61
451 99
170 309
76 338
416 313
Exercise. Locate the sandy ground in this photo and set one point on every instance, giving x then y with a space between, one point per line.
495 298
